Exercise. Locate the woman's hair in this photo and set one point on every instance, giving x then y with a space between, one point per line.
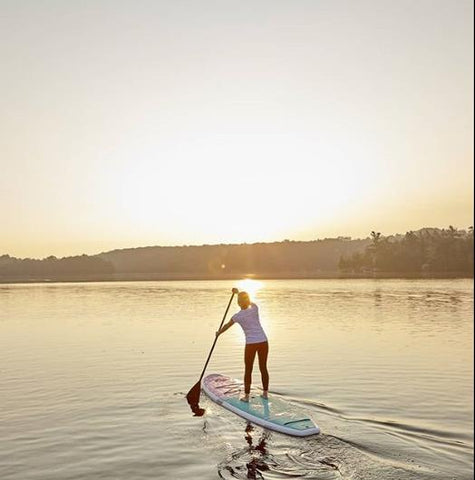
243 297
243 294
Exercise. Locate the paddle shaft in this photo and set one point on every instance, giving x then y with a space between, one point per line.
216 338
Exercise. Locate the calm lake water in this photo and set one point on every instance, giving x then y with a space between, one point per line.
93 378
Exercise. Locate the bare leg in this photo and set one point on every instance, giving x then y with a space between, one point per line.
249 356
262 353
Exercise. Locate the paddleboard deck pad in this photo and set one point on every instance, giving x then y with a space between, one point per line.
273 413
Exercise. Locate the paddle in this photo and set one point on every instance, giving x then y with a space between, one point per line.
193 396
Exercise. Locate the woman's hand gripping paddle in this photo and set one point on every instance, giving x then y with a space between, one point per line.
193 396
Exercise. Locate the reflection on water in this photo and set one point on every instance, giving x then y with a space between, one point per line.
301 460
93 378
250 460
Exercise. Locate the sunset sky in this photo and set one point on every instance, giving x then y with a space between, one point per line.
133 123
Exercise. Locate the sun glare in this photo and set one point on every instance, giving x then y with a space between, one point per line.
250 286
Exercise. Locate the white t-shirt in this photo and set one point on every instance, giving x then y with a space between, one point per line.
250 323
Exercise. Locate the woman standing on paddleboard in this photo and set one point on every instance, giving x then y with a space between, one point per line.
256 342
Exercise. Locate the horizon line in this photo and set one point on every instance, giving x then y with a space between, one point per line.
339 237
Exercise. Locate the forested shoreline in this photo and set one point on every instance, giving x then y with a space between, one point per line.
423 253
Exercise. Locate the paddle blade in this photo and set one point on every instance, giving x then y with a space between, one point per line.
193 398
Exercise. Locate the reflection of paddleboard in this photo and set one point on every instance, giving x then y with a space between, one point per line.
274 413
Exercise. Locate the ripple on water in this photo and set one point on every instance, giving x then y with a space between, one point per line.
259 456
272 456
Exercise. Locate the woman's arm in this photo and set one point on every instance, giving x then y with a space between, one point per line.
224 328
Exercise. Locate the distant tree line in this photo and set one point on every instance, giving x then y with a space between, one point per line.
216 261
285 257
429 250
12 267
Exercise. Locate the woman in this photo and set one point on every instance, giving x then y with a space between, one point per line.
256 342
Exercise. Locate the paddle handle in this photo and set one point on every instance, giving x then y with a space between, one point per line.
235 290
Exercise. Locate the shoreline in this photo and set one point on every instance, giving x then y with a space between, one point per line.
143 277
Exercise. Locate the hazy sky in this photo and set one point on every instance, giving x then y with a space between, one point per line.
147 122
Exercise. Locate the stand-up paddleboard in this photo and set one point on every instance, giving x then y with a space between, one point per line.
273 413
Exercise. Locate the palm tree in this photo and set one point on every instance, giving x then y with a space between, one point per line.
376 237
374 247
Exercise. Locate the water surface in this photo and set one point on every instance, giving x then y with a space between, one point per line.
93 377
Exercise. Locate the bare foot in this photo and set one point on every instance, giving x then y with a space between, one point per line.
245 398
265 394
